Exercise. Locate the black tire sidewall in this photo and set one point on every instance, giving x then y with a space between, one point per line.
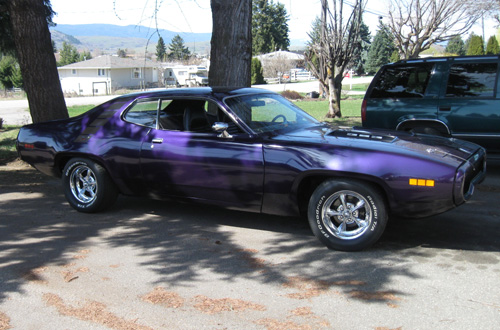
105 192
377 205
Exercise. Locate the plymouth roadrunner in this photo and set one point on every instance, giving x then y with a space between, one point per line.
251 149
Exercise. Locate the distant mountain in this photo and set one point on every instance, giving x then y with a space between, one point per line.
109 38
129 31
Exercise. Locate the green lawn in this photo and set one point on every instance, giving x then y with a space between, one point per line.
350 109
78 109
8 136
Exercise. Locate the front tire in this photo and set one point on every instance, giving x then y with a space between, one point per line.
87 186
347 215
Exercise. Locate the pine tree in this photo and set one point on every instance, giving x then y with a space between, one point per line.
475 45
69 54
6 69
361 54
492 47
177 49
456 46
381 50
269 27
161 50
85 56
257 72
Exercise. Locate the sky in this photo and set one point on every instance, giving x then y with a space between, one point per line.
195 15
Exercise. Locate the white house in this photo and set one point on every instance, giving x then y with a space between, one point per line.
104 74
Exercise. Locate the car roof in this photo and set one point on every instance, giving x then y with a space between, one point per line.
219 92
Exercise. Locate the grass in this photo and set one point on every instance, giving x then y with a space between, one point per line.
76 110
350 108
8 136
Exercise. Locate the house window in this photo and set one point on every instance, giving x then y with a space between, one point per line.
101 72
137 73
73 71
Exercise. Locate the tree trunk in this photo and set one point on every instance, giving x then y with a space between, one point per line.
231 44
36 59
335 86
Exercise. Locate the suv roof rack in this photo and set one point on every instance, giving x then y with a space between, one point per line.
448 58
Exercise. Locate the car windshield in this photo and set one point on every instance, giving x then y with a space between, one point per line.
269 112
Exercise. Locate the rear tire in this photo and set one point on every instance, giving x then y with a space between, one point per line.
87 186
347 215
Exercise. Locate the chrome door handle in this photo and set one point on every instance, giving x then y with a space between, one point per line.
157 141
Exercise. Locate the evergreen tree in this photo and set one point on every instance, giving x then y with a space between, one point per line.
161 50
492 47
6 70
361 54
257 72
456 46
381 50
177 49
85 56
69 54
122 53
16 77
475 45
269 27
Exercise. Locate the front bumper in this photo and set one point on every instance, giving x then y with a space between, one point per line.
470 174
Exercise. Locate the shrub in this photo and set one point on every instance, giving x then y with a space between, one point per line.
292 95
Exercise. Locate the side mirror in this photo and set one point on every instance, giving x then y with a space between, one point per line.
221 129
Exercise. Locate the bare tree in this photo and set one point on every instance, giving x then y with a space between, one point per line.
339 38
276 66
418 24
231 44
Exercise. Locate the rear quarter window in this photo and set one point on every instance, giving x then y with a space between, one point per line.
472 80
403 81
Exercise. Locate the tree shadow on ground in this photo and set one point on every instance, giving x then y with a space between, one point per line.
179 242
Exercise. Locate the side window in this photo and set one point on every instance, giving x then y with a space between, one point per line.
472 80
404 81
143 113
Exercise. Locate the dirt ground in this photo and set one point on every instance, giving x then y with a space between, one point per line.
157 265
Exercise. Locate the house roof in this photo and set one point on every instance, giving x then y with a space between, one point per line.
110 62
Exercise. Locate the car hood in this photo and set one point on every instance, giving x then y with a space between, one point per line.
382 140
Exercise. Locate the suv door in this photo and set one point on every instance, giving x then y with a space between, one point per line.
401 93
470 106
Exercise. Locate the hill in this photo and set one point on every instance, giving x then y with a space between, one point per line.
109 38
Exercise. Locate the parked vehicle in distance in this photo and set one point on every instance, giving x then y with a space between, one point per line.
185 76
455 97
251 149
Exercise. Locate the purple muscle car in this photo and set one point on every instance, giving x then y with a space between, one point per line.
251 149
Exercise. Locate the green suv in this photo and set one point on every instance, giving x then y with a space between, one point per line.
450 96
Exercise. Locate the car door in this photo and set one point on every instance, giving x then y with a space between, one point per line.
470 105
197 164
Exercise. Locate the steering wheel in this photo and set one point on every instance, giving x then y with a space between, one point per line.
278 117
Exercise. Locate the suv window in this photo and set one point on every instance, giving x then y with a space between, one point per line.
408 81
472 80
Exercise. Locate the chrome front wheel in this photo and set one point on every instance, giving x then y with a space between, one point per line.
347 215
